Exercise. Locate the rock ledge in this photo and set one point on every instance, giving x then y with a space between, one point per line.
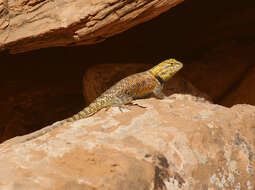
176 143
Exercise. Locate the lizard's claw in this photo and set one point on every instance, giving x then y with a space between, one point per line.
136 104
121 107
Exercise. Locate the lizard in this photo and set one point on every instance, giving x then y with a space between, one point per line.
125 91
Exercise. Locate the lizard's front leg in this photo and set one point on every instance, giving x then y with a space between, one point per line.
127 101
158 92
136 104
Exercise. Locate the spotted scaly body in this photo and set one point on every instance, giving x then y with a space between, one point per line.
130 88
133 87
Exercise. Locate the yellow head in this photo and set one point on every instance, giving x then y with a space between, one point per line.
166 69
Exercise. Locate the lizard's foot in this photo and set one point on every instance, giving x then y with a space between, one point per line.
136 104
121 107
107 108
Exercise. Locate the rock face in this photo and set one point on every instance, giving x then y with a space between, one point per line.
224 73
28 25
216 47
21 113
244 90
177 143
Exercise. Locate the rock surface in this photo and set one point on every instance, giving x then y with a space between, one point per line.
219 72
177 143
22 112
26 25
244 90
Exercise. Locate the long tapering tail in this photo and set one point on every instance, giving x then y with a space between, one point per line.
95 106
90 110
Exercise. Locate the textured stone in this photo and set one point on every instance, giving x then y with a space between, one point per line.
22 109
28 25
217 48
220 69
243 91
180 143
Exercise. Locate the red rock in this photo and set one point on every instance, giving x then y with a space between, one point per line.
244 90
28 25
176 143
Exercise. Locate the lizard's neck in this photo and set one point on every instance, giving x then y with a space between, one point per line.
158 78
161 81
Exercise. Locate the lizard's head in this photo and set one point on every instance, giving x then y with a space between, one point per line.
166 69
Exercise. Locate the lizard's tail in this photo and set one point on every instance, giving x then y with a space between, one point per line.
95 106
88 111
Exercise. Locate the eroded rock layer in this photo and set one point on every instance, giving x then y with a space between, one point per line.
27 25
177 143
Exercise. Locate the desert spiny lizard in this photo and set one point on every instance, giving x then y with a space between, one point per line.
125 91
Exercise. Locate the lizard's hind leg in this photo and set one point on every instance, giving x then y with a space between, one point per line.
120 106
122 103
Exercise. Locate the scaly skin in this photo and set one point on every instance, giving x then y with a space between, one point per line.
133 87
128 89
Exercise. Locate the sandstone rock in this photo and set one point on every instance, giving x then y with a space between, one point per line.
27 25
177 143
243 91
21 111
99 78
217 48
219 70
